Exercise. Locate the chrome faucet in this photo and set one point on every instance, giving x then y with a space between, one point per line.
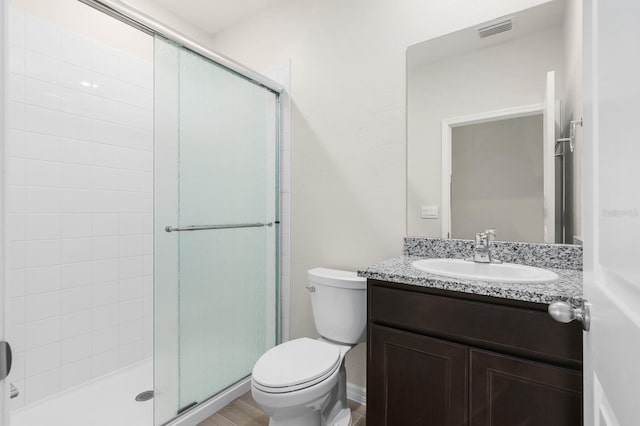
482 251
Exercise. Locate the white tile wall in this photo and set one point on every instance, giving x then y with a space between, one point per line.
80 208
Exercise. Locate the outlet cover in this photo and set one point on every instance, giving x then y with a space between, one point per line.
429 212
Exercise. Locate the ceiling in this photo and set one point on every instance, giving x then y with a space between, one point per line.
212 16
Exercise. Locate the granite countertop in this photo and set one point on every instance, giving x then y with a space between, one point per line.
399 270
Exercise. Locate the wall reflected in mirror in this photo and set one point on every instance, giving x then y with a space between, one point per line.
496 173
486 106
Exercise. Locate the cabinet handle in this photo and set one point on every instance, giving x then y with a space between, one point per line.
563 312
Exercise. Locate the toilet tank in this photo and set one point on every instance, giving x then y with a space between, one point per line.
339 303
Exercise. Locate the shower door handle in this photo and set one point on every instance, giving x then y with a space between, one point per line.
206 227
6 359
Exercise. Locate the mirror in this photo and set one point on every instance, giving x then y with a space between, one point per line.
493 128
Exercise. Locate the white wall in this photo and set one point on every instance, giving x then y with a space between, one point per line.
573 111
502 76
348 121
79 202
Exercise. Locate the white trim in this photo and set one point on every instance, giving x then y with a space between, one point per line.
211 406
285 202
357 393
447 126
548 161
602 409
4 61
281 73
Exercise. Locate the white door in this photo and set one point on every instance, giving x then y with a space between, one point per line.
4 384
549 160
611 138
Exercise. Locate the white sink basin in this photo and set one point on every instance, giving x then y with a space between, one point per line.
498 272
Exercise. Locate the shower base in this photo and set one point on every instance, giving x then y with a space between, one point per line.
106 401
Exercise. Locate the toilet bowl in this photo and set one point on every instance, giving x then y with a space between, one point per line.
303 382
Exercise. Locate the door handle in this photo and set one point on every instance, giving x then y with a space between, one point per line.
563 312
6 360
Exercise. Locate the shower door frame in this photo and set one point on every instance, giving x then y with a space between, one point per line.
147 24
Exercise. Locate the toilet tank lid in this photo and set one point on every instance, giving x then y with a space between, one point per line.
337 278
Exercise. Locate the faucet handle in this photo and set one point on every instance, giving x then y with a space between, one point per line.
486 236
490 233
482 252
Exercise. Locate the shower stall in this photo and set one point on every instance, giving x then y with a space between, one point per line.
142 206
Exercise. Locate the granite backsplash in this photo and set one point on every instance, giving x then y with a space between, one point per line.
543 255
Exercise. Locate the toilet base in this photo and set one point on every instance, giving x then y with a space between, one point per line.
342 419
311 419
314 418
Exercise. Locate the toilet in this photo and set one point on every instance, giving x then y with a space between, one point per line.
303 382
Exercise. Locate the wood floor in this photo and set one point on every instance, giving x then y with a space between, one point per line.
244 412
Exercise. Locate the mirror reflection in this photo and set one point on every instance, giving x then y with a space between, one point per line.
490 142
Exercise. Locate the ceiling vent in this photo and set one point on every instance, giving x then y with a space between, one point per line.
495 28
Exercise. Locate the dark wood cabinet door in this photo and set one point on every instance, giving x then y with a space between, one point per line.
415 380
508 391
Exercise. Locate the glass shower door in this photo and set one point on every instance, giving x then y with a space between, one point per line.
216 188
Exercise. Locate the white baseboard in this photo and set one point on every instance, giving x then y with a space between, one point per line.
211 406
357 393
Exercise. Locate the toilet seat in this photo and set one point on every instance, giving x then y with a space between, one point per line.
296 365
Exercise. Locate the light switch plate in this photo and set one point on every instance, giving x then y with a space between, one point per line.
429 212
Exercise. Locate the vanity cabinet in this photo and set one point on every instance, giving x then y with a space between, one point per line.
446 358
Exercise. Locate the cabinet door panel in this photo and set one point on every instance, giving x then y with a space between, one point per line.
508 391
415 380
